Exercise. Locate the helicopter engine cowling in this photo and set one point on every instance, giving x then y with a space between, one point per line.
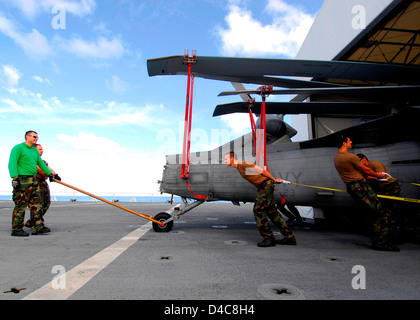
276 128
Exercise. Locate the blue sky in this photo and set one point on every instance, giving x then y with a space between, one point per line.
75 72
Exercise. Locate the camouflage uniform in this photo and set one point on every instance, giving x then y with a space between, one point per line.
366 197
45 197
45 201
390 189
27 194
265 207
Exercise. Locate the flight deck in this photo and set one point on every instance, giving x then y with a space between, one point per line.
97 252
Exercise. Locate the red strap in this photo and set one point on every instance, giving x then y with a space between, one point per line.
254 129
187 165
283 200
259 136
264 133
198 196
187 123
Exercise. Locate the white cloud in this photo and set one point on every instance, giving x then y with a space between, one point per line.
238 123
133 172
102 48
34 44
35 107
51 109
43 102
14 105
56 101
117 85
247 36
91 142
112 113
41 80
10 76
130 118
37 46
32 8
85 160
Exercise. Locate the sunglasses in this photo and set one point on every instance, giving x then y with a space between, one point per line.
36 137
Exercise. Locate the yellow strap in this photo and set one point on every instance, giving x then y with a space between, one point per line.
399 198
379 195
394 179
305 185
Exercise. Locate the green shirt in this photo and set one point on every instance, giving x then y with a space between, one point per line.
23 161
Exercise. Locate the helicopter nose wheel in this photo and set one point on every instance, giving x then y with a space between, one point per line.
163 216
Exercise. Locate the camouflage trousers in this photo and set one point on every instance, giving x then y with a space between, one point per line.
265 207
45 198
366 197
396 220
27 194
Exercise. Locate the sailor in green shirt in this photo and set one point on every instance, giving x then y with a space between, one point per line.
24 158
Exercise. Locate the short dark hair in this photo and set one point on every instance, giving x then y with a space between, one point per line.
362 156
341 139
30 131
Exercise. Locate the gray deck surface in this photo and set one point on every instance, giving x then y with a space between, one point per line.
210 254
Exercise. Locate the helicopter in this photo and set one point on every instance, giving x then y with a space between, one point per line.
389 135
369 91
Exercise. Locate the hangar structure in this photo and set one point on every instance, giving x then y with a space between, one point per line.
378 31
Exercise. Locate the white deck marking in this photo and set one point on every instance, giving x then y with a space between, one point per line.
81 274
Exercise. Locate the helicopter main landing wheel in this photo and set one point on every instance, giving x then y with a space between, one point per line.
163 216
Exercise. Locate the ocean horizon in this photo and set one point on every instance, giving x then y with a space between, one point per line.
113 198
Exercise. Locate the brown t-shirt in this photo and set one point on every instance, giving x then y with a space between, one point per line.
247 171
348 165
377 166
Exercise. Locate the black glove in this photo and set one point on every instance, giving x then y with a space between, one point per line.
15 183
57 177
51 177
